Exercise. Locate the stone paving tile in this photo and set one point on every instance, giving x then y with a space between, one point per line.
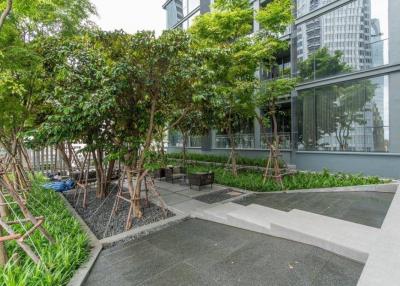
368 208
173 199
197 252
181 274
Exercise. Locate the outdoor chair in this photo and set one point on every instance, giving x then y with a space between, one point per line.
175 173
201 179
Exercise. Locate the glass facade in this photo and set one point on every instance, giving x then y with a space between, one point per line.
351 38
349 116
304 7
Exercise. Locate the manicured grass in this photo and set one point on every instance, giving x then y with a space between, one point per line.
253 180
61 259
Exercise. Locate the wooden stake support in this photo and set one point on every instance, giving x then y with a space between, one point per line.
130 198
7 185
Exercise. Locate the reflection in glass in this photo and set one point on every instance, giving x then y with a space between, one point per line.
355 36
350 116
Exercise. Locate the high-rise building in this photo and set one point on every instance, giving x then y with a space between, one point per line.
344 115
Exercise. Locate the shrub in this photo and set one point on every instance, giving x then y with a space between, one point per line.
253 180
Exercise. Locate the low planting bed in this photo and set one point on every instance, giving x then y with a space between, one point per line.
253 180
61 259
97 215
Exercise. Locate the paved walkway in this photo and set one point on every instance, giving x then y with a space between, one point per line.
197 252
180 198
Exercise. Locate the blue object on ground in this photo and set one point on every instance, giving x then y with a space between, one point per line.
60 186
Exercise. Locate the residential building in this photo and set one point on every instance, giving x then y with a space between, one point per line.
343 119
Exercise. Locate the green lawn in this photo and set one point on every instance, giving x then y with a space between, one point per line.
62 258
253 180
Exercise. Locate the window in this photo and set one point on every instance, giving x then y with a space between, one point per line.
344 40
307 6
350 116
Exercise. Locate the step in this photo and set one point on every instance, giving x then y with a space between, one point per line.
255 218
344 238
382 267
217 213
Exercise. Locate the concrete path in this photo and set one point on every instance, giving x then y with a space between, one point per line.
383 264
197 252
181 199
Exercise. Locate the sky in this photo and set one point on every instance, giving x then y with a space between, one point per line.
130 15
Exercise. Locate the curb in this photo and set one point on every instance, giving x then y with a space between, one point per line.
383 188
82 273
97 245
142 231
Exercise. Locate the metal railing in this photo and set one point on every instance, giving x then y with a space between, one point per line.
285 141
192 142
242 141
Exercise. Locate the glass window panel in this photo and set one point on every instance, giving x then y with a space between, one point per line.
351 38
306 6
349 116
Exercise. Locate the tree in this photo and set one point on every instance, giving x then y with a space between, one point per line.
267 98
235 55
80 91
21 82
154 78
21 69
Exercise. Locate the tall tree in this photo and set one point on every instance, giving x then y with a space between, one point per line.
235 54
21 70
154 78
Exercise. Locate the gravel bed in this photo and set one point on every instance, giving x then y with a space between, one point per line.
218 196
97 214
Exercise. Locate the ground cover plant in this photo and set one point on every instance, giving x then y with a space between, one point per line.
253 180
60 260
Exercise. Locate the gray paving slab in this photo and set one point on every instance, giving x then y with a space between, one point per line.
368 208
197 252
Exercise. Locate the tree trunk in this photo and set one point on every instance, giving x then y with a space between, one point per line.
5 13
100 174
64 156
140 165
233 151
184 148
110 171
